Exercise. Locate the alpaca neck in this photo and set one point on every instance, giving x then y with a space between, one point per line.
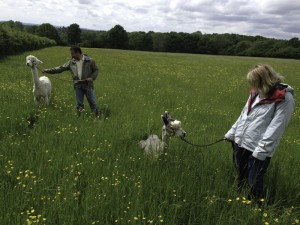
165 140
35 76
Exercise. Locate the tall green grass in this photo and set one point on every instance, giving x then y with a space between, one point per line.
57 168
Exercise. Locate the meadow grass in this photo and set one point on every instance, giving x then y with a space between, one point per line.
57 168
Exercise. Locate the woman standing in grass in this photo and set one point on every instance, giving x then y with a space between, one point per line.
258 130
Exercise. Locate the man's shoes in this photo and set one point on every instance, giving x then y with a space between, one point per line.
79 111
97 113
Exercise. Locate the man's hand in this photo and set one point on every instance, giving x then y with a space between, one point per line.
254 158
227 140
89 79
44 71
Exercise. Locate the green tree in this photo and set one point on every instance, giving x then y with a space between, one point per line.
48 31
241 47
294 42
190 42
101 40
218 44
16 25
202 44
159 42
63 35
74 33
140 41
31 29
13 41
174 42
117 37
94 39
262 48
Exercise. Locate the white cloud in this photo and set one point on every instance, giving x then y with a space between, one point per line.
272 18
279 6
88 2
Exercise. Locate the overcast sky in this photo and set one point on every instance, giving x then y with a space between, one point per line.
269 18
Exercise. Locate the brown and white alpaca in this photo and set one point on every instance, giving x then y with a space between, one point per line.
171 128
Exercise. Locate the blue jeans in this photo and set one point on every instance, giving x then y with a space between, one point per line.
90 95
251 171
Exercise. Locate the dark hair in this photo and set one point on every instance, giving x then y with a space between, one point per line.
76 49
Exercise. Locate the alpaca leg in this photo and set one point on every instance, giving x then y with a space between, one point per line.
165 139
35 101
49 92
165 146
46 99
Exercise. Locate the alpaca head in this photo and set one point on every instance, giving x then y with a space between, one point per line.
32 61
172 127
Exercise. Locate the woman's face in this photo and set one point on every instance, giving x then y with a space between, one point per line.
254 85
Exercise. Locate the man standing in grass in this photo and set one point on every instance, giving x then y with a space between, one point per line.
84 71
258 130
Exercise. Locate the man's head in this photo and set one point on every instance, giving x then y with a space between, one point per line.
76 52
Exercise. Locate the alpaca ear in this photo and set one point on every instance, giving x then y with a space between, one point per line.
38 61
167 114
165 120
169 117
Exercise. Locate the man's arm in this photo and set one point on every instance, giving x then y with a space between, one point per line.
58 69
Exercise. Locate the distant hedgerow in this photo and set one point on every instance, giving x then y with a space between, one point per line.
14 41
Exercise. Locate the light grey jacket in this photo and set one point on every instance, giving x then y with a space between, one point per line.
259 129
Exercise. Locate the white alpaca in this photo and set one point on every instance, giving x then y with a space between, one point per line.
171 128
41 85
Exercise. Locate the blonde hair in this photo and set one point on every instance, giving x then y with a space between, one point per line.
263 78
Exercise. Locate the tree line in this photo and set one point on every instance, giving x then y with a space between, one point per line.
14 40
178 42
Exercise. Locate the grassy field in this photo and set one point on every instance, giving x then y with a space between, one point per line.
59 169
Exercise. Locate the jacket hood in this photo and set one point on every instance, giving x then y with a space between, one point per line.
290 89
277 94
85 57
